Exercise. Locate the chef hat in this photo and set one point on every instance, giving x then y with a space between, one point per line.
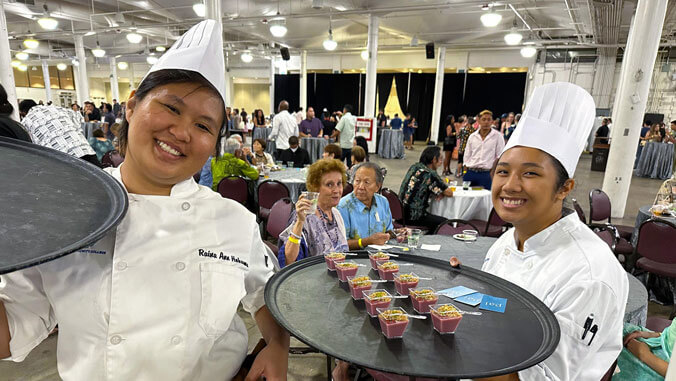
200 50
557 120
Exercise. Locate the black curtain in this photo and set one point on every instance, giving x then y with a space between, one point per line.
333 91
384 84
420 102
401 80
499 92
287 87
451 102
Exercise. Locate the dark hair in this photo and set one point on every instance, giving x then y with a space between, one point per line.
97 133
165 77
347 108
333 149
6 108
359 154
26 105
361 142
648 122
429 154
561 173
673 121
261 142
293 140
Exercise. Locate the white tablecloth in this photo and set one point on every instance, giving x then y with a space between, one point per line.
464 205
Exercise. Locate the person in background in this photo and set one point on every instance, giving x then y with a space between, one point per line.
116 108
421 183
100 144
361 142
346 130
465 131
670 136
654 134
9 127
366 214
236 121
329 124
407 131
91 113
259 119
449 144
395 123
25 106
667 192
284 126
75 107
297 155
115 129
300 115
109 118
603 131
332 151
483 148
646 354
229 165
325 113
259 154
382 119
244 115
646 128
311 127
312 233
507 121
358 157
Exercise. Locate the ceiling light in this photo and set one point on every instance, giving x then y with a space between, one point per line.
22 67
528 51
31 43
98 52
90 33
22 56
246 57
134 37
513 37
278 27
48 23
152 60
572 54
365 55
491 18
160 48
62 66
16 63
75 62
330 43
122 65
200 9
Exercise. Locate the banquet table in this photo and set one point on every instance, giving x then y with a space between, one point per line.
643 215
391 144
88 128
656 161
464 205
293 178
314 146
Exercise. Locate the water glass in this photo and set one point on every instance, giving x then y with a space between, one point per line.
470 234
312 196
289 164
414 238
465 185
279 163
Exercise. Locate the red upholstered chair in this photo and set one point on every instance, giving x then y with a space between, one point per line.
347 189
455 226
579 211
234 188
655 249
397 210
278 219
494 227
608 234
657 324
599 210
269 192
111 159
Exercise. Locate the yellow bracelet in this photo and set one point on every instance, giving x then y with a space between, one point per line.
293 239
359 242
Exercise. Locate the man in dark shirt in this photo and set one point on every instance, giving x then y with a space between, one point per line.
329 126
382 119
91 114
395 123
299 156
311 126
645 128
603 131
109 118
116 108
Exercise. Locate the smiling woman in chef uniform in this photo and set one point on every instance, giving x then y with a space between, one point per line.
156 299
550 253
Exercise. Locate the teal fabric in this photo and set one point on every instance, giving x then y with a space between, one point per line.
100 147
631 368
361 222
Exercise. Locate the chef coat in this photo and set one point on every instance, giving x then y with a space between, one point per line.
575 274
156 299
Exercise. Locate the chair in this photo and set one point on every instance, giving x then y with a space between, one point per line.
608 234
494 227
269 192
657 324
579 211
455 226
347 189
278 219
397 210
234 188
599 210
656 256
111 158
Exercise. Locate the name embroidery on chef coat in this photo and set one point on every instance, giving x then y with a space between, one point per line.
221 256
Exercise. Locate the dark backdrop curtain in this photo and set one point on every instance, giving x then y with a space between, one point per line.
401 80
334 91
420 102
287 87
499 92
451 102
384 84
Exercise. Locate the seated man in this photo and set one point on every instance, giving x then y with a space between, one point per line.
295 154
420 183
229 165
366 214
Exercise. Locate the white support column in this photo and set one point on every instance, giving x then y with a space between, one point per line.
630 100
272 85
114 86
83 83
48 84
132 84
78 96
371 67
229 88
6 70
303 80
213 12
438 94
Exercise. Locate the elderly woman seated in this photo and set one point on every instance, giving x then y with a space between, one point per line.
225 166
667 192
646 354
320 231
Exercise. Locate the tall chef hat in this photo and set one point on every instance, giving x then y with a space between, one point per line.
557 120
200 50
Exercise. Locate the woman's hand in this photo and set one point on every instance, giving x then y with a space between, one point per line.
272 362
639 334
639 349
303 205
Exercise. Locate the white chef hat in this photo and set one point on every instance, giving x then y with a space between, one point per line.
557 120
200 49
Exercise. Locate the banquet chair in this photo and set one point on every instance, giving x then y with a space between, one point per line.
455 226
657 324
347 189
397 210
269 192
278 219
610 236
599 210
579 211
234 188
654 250
494 227
111 158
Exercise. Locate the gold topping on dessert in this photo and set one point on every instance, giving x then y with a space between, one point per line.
389 265
360 281
346 265
447 311
393 315
335 256
408 278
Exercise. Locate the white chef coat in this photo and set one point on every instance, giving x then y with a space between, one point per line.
575 274
284 126
154 300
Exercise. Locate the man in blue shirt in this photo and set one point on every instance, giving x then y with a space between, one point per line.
366 214
395 123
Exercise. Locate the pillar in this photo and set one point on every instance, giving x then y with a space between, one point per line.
48 84
78 95
83 80
630 100
303 80
114 87
213 12
371 67
132 84
229 88
438 94
272 86
6 70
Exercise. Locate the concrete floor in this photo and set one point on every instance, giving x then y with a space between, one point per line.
41 364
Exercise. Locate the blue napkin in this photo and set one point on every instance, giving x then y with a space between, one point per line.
492 303
471 299
455 292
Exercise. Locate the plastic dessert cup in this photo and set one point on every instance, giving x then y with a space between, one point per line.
345 269
445 318
403 283
422 299
358 285
375 299
386 270
378 257
332 258
393 322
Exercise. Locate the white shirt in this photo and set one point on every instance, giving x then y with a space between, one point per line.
575 274
155 300
284 126
482 153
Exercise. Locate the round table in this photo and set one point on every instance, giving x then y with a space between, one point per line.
293 178
643 215
473 253
391 144
465 205
656 161
314 146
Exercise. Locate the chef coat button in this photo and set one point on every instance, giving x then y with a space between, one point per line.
121 265
506 251
176 340
529 265
115 340
180 266
185 206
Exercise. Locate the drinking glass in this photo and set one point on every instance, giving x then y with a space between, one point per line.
414 238
312 196
465 185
